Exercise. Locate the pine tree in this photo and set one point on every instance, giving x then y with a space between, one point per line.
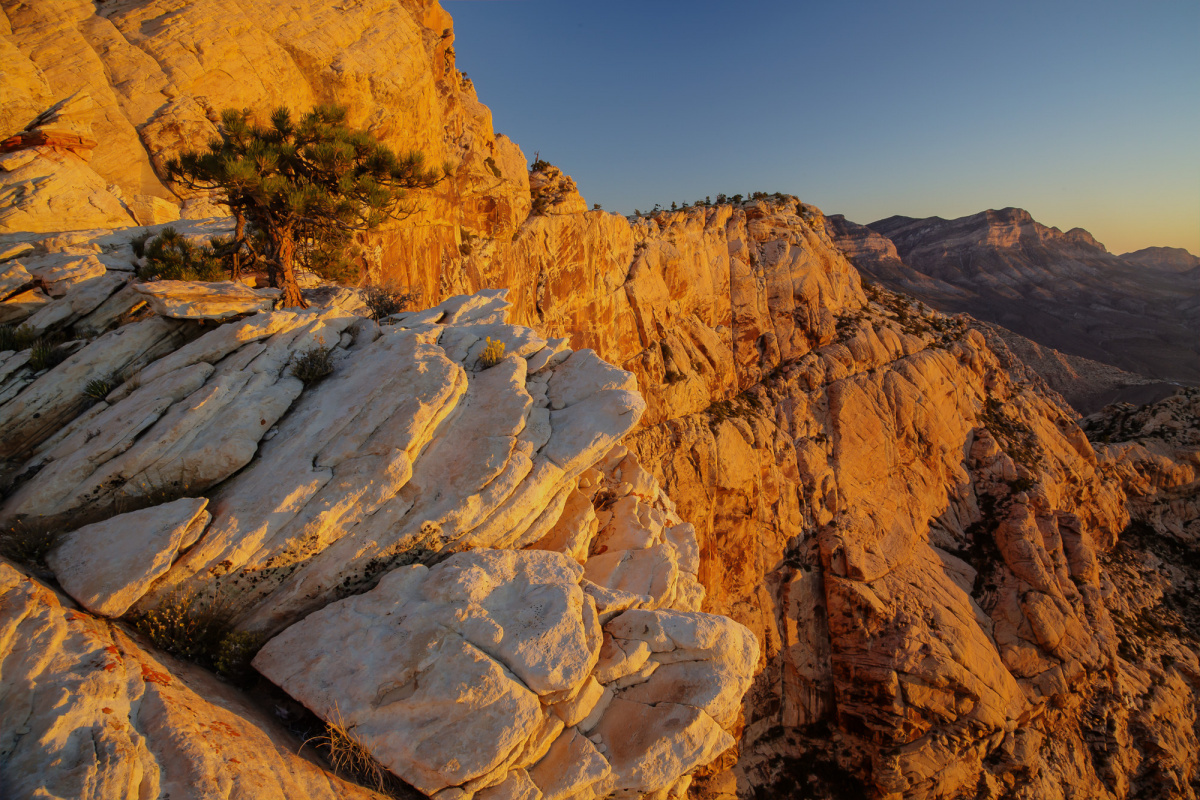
308 186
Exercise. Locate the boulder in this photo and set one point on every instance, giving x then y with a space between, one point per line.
150 210
51 189
451 660
107 566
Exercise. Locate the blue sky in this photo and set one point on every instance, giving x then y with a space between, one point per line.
1085 113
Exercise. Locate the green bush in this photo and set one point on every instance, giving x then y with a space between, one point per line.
45 355
98 389
385 302
172 257
201 631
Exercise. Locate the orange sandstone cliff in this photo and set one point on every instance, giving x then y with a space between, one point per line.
938 565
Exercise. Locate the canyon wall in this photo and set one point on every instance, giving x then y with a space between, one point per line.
928 550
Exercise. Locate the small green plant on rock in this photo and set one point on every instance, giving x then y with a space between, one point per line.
492 355
314 363
98 389
45 355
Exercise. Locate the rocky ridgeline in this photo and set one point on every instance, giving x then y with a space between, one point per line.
1062 290
938 566
910 522
380 512
916 531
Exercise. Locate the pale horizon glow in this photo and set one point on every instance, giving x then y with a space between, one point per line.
1085 114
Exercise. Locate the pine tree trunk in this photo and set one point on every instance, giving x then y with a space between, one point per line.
291 290
239 232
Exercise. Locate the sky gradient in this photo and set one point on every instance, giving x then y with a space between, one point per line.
1087 114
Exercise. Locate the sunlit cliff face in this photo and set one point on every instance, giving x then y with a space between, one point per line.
721 518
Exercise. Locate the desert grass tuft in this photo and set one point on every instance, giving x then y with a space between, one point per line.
349 757
98 389
16 338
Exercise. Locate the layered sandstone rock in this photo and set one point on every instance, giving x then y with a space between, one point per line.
86 710
107 566
842 502
412 450
160 74
492 671
929 551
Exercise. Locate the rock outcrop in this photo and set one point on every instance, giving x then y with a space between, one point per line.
160 74
88 711
406 482
848 457
484 667
891 532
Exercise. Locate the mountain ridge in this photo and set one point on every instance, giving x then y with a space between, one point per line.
1062 290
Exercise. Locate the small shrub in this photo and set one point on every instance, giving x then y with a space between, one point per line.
172 257
98 389
45 355
672 377
235 650
200 631
14 338
385 302
492 355
540 166
490 163
314 363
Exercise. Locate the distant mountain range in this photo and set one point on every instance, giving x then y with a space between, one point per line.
1065 291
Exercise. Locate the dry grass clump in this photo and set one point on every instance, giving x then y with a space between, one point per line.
314 363
349 757
492 355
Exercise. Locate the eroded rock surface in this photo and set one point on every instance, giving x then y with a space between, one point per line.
87 711
486 665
